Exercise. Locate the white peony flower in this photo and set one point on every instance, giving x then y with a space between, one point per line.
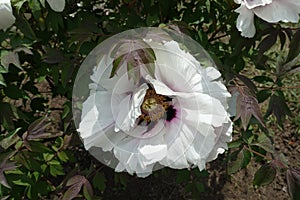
57 5
6 14
271 11
176 117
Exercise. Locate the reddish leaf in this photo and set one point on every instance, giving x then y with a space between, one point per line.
294 47
267 42
6 166
134 53
77 179
75 183
278 107
67 140
72 192
248 83
293 183
247 106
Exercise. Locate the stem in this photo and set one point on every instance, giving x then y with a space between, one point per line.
282 87
259 154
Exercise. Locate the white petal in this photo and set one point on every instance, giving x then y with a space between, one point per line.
176 150
223 137
238 1
174 67
278 10
96 114
119 83
129 109
202 108
160 87
6 16
57 5
255 3
245 21
153 153
152 147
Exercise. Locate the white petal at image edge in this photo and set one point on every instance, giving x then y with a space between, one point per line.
57 5
286 11
245 21
6 16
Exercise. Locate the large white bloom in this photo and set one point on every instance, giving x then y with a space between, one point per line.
176 118
6 16
271 11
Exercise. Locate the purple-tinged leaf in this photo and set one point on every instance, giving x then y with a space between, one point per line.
134 53
282 38
247 106
293 183
278 107
6 166
66 142
38 125
3 180
87 190
264 175
267 42
248 83
294 48
75 183
72 192
77 179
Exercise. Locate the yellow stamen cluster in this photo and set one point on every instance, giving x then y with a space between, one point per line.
154 107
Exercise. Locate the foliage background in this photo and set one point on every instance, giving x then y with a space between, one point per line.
41 154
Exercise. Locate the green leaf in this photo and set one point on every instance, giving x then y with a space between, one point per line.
99 181
10 140
38 104
54 21
2 81
264 142
264 175
87 190
35 8
183 176
263 95
63 156
263 79
39 147
56 170
235 166
6 116
18 4
242 160
25 27
14 92
234 144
